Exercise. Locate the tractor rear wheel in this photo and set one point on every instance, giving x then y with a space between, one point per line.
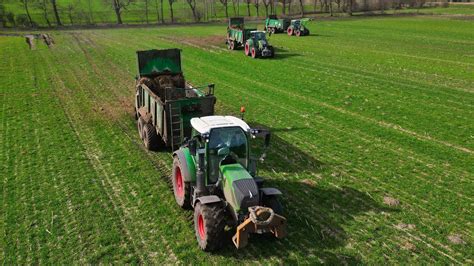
140 123
289 31
247 49
209 224
273 203
150 138
254 52
181 188
297 33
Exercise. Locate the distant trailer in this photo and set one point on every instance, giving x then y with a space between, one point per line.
275 25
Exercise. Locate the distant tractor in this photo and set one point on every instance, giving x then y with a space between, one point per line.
298 27
258 46
275 25
255 42
164 102
215 173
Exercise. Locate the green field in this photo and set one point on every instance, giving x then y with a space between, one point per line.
360 110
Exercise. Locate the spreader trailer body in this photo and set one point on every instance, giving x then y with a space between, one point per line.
237 34
275 25
215 173
164 102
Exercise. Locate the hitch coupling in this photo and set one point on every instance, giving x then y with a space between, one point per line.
261 220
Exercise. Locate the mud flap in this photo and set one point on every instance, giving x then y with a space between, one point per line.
261 220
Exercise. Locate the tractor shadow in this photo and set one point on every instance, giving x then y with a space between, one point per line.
281 53
317 213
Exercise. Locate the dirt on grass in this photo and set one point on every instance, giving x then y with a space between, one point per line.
456 239
392 202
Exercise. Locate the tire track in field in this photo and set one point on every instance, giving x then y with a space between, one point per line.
59 83
125 130
96 97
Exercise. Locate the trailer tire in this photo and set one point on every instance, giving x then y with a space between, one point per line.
181 188
140 123
247 49
209 224
254 53
232 45
289 31
272 30
150 138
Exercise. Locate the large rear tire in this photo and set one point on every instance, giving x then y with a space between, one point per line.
209 224
150 138
181 189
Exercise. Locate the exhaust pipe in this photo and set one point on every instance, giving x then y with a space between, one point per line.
200 178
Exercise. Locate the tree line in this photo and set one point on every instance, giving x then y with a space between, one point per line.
153 11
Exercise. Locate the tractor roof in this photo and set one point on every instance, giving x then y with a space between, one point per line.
255 31
206 123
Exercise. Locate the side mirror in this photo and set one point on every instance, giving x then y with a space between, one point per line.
223 152
192 147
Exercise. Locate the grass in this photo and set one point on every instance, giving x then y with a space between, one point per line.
360 110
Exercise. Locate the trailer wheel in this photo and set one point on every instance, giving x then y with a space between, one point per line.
232 45
297 33
150 138
273 30
181 189
289 31
247 49
140 123
254 52
209 223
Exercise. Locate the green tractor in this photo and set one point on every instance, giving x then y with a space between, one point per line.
258 46
214 173
254 42
298 27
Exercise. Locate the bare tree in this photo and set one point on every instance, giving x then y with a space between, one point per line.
233 7
302 7
266 3
256 3
171 10
119 6
349 6
43 6
70 11
89 6
283 2
225 3
146 11
27 10
248 7
56 13
192 5
289 6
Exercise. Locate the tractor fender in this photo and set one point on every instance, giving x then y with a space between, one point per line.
270 191
208 199
188 168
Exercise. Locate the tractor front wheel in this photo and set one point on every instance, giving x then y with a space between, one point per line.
209 223
289 31
181 188
254 53
297 33
247 49
273 203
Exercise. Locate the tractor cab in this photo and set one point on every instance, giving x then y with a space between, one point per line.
258 35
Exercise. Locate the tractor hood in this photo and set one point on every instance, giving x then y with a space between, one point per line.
240 189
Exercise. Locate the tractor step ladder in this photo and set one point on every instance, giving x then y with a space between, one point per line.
176 123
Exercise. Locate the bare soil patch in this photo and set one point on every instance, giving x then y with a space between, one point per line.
456 239
392 202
